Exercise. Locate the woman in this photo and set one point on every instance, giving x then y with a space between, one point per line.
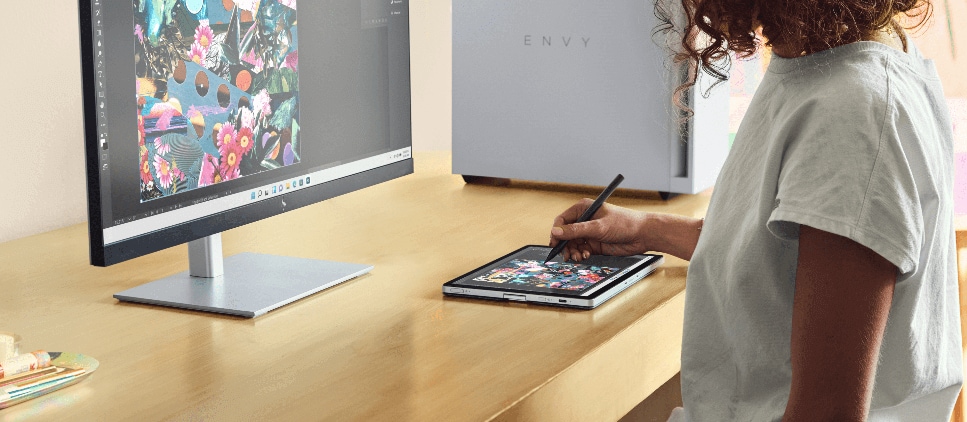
822 283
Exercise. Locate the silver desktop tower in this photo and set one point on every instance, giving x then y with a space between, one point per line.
576 91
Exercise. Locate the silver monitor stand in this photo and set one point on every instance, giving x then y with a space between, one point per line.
245 284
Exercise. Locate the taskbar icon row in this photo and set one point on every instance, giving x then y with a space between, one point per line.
281 187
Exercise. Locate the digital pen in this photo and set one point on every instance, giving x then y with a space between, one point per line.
588 213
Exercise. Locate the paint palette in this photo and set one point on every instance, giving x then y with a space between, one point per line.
76 367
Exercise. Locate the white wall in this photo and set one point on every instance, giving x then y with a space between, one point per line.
42 173
431 54
42 176
41 126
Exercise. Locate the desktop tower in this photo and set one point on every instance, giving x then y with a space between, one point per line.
576 91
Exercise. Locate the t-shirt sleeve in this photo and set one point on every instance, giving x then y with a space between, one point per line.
844 171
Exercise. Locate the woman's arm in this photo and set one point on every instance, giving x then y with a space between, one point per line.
616 230
674 234
843 296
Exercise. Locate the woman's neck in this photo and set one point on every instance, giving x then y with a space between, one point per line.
887 36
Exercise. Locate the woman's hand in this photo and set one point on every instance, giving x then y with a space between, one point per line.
612 230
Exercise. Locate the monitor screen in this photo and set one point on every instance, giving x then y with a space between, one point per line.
203 115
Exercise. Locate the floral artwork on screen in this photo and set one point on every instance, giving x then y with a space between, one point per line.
552 275
217 91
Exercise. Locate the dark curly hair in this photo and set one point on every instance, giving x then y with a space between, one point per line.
709 30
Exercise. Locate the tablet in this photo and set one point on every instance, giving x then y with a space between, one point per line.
523 276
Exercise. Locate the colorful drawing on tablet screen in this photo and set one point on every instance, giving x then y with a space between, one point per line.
553 275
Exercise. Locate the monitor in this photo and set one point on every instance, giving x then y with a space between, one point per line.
205 115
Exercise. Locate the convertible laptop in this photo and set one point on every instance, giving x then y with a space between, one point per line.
523 276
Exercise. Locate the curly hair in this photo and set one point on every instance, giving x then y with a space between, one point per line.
710 30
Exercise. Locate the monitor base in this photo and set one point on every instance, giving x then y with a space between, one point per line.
252 285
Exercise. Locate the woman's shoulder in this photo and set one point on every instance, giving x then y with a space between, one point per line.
838 101
838 79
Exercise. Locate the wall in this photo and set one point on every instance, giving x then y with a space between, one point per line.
42 174
430 59
42 184
947 45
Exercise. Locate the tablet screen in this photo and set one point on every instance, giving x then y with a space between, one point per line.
525 270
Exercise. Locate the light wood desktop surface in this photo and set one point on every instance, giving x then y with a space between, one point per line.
385 346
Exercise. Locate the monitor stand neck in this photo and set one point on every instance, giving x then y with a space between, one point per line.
205 257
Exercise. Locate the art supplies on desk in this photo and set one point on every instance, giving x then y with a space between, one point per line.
50 371
24 363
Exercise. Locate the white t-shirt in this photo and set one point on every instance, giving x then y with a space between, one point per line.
855 141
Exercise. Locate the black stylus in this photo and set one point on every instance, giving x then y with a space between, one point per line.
588 213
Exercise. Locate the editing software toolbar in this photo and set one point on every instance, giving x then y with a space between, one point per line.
100 77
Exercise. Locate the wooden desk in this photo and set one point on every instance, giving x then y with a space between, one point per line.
960 225
386 346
